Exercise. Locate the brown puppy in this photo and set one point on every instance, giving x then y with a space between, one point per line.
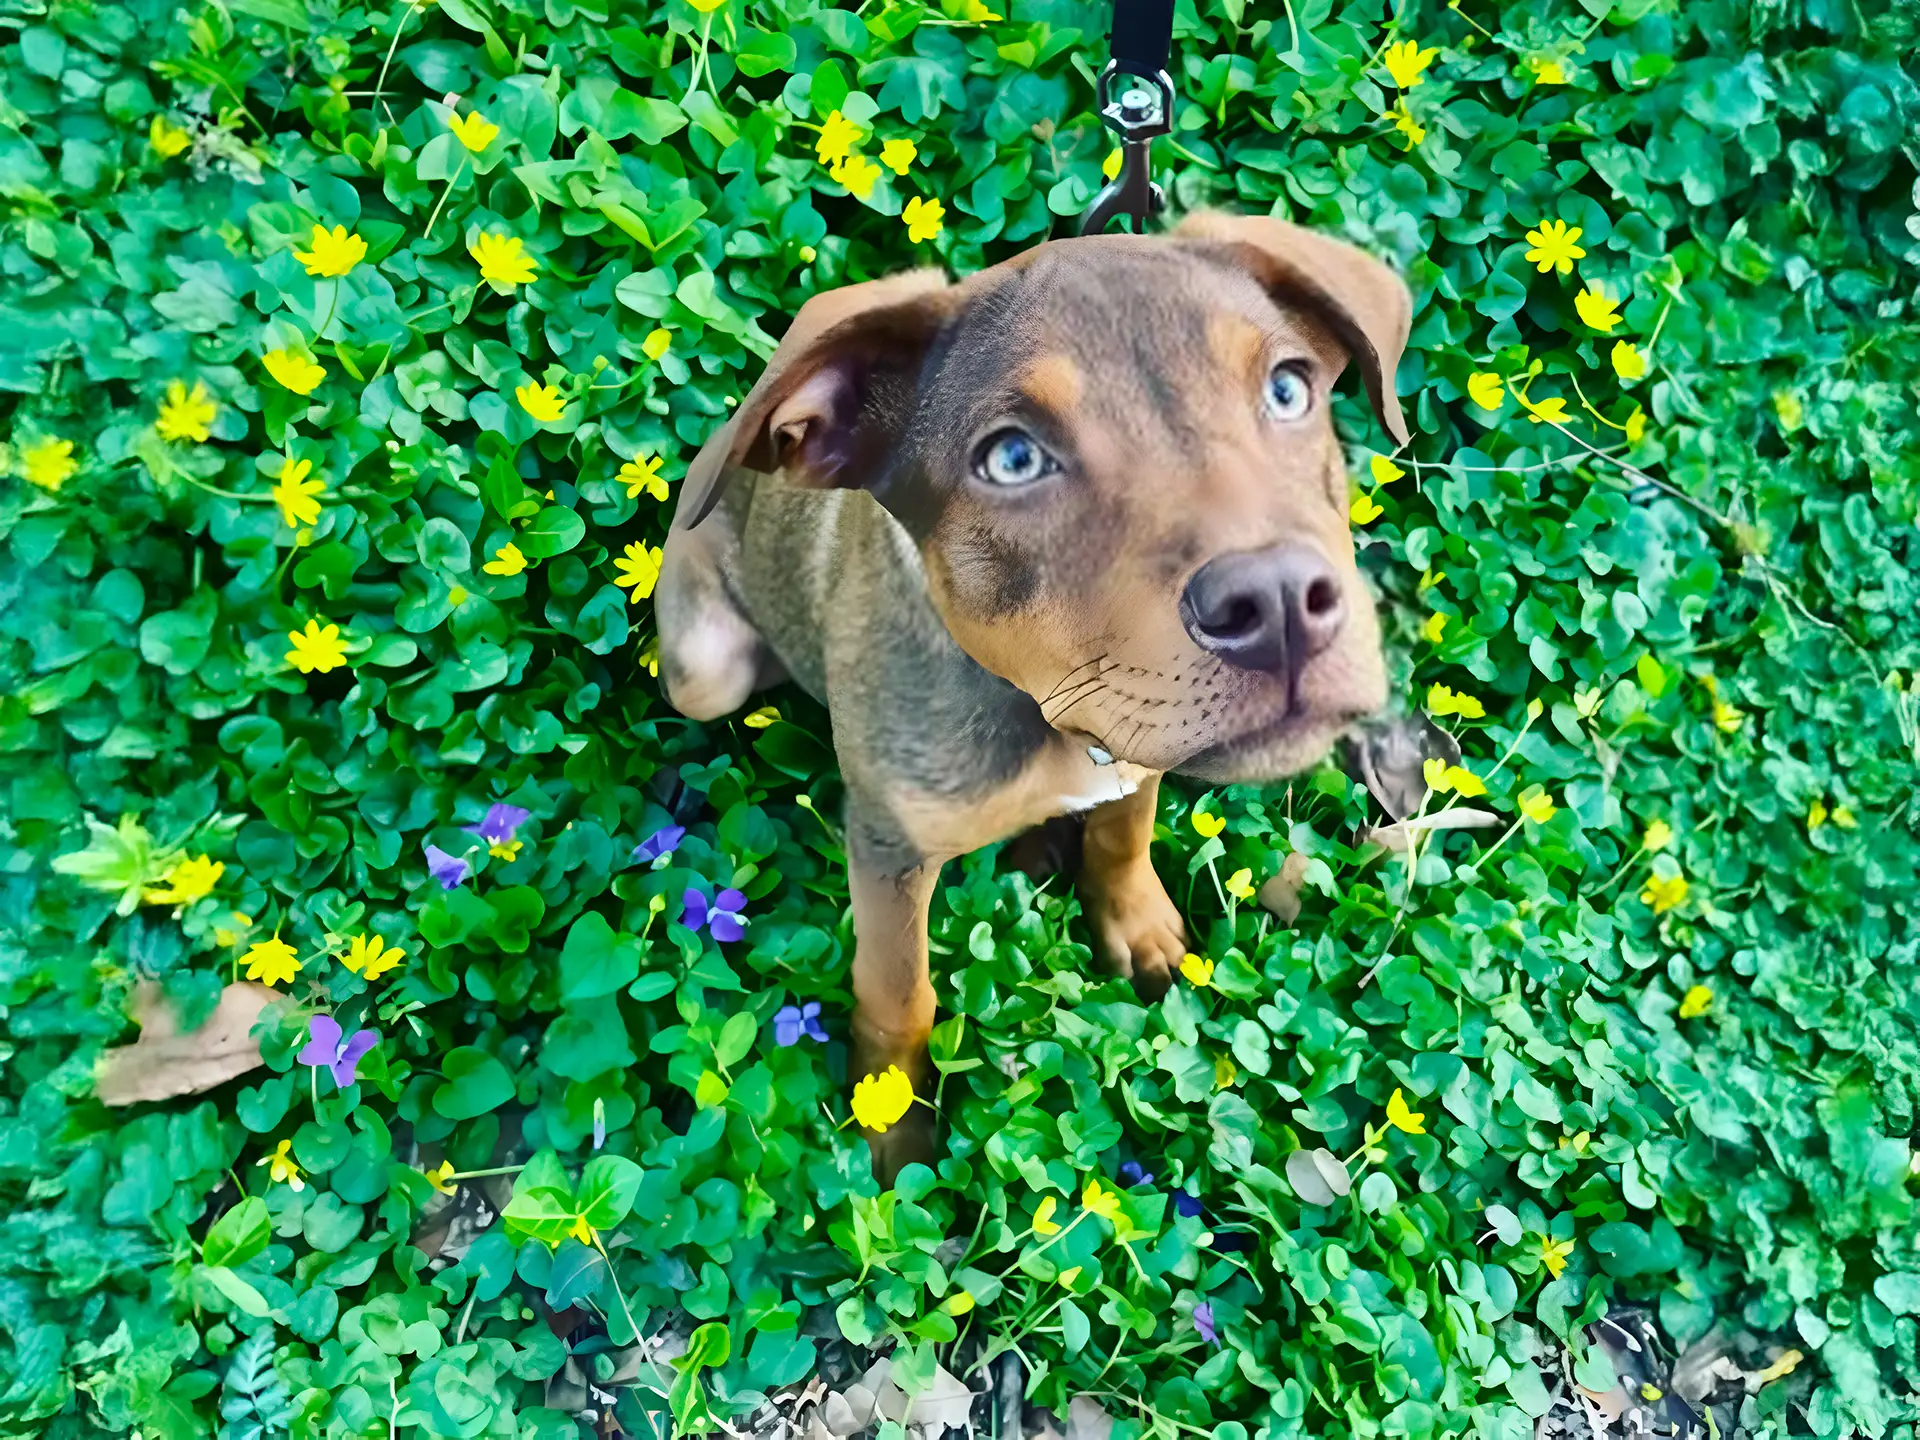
1035 539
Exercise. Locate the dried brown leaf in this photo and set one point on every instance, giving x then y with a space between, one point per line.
165 1062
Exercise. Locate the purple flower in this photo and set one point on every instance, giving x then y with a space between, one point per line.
795 1021
1185 1204
1131 1174
449 870
1203 1322
328 1048
660 844
723 920
501 822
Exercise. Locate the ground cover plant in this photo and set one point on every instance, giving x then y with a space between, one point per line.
349 358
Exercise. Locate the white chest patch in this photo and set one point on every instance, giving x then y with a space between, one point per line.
1106 784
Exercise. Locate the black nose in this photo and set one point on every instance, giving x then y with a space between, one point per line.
1265 609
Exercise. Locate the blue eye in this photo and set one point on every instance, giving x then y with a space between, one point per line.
1013 457
1289 396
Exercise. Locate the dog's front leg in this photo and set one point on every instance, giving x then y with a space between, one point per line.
1137 929
893 995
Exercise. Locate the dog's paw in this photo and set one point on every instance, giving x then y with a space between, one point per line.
1137 929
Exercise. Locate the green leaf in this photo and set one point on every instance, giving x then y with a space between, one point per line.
554 531
607 1189
475 1083
243 1295
239 1235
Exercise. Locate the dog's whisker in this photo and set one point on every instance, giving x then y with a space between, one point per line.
1083 691
1069 675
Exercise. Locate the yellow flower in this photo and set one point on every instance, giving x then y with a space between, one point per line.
656 343
1364 511
1727 718
1043 1221
1486 389
223 936
1551 411
1198 971
1224 1073
441 1178
638 569
186 414
1401 1118
334 252
1697 1001
1110 166
897 155
457 595
1536 805
1442 701
316 649
370 957
958 1303
542 402
476 132
976 12
1535 707
857 173
1663 892
507 560
1240 884
1405 61
1816 814
1548 72
507 850
166 138
295 494
923 218
1596 308
273 962
1430 578
297 372
1636 425
1843 817
1434 772
1463 782
1629 360
706 7
1555 246
1384 471
643 477
1104 1203
48 463
649 657
1434 626
1208 824
760 719
1404 122
837 139
502 259
1658 836
582 1231
880 1100
808 254
1553 1254
186 882
283 1171
1067 1276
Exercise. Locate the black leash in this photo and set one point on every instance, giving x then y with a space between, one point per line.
1142 41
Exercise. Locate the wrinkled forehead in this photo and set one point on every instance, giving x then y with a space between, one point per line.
1123 336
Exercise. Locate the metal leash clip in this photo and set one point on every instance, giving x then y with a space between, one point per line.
1143 109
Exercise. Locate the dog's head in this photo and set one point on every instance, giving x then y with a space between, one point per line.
1117 458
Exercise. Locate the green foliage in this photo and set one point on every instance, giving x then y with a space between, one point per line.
1705 579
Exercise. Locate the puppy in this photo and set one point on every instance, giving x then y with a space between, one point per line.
1035 539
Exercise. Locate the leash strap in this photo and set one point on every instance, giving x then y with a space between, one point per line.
1142 41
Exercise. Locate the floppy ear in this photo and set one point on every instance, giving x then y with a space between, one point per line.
830 396
1365 303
